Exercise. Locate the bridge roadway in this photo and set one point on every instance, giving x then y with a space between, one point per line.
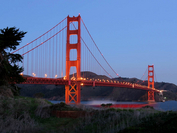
55 81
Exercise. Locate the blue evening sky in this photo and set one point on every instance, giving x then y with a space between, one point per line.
131 34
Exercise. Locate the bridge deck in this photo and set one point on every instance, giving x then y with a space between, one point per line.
32 80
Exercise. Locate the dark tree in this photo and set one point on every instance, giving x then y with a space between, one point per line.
10 38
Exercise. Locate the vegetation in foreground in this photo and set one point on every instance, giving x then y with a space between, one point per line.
10 38
22 114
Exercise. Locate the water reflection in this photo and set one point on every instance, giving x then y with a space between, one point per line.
163 106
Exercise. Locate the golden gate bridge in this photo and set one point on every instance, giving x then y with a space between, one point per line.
65 54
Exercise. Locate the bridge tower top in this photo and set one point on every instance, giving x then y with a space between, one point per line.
70 45
151 76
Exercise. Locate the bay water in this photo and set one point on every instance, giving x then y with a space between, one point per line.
163 106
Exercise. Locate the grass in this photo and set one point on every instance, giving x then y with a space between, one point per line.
23 114
54 124
162 122
15 114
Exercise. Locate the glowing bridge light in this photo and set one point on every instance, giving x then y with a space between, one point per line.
33 74
64 77
82 84
45 75
73 78
55 76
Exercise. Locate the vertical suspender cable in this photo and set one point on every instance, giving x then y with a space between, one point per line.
40 61
27 61
50 56
59 52
83 58
56 55
18 61
43 55
23 62
53 56
47 63
32 64
62 53
87 61
156 81
37 73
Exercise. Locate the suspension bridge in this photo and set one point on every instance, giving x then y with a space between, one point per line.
64 55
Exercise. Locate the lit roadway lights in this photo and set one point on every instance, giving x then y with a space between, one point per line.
99 80
85 82
82 80
33 74
55 76
64 77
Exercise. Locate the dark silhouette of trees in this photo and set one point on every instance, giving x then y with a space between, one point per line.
10 38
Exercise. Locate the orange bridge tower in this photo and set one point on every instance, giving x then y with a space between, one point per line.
151 83
72 90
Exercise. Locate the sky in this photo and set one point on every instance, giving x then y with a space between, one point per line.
131 34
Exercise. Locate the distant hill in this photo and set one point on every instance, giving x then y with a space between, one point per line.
157 85
54 92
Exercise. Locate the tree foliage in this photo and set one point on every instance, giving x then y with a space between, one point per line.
10 38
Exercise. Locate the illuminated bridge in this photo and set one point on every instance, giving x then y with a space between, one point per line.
64 50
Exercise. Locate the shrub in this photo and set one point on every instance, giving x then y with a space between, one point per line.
103 105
